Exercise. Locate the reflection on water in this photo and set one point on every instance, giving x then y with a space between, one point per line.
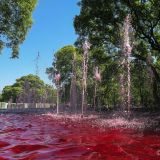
50 137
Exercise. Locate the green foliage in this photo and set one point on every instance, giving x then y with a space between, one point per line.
28 88
63 63
146 25
102 22
0 97
15 21
64 58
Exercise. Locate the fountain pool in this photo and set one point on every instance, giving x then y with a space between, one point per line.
52 137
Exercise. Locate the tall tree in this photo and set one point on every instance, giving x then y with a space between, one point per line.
66 61
102 21
15 21
28 89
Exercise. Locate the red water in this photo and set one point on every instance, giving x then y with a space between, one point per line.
43 137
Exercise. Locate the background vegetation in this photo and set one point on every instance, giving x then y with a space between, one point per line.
102 23
29 89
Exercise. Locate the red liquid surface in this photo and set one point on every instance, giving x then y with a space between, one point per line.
43 137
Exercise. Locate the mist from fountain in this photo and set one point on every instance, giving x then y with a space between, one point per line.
125 81
97 77
86 47
73 88
57 80
113 119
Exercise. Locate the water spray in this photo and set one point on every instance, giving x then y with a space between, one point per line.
86 47
57 79
73 90
127 49
97 77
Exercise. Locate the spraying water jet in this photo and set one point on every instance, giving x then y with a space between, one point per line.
97 77
57 79
86 47
126 66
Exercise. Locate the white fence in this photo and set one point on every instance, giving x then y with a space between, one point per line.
4 105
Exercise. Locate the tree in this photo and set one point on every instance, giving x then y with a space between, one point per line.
0 97
146 25
147 28
28 89
15 21
63 62
102 21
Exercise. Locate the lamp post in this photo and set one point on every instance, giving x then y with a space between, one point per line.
86 47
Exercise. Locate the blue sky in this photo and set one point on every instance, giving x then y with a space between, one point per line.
51 30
